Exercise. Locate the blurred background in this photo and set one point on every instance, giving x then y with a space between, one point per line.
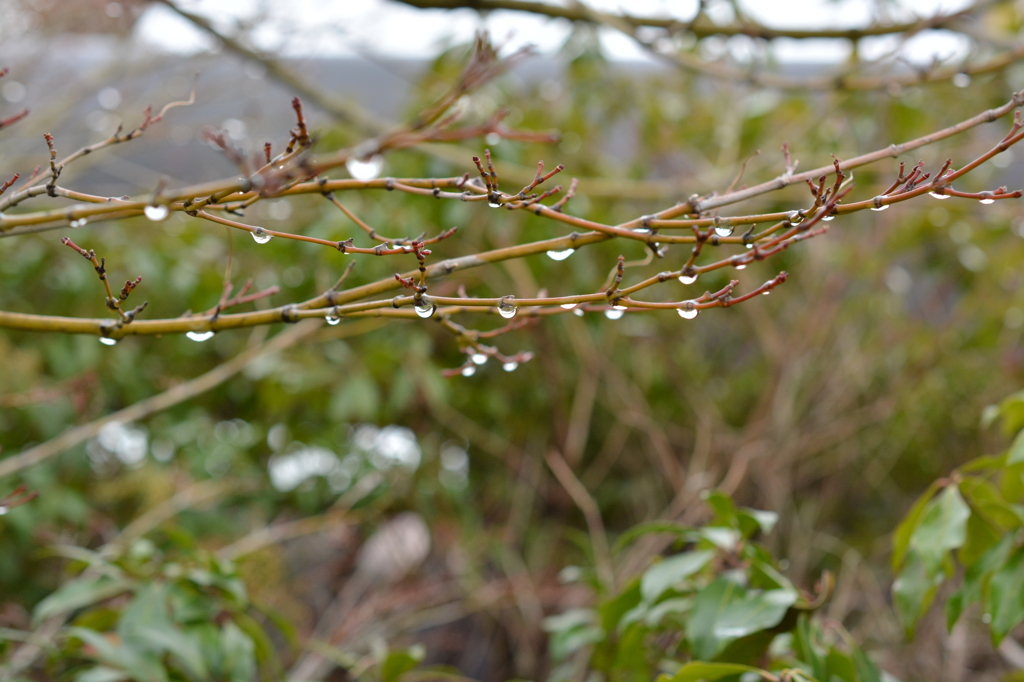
833 402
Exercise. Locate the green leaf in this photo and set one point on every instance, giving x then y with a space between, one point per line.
141 666
975 578
753 520
1011 409
1006 596
724 611
239 662
914 590
943 528
906 528
79 593
807 650
651 528
1016 452
670 571
722 538
101 673
723 507
694 671
867 671
397 662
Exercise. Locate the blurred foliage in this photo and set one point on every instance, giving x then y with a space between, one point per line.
831 403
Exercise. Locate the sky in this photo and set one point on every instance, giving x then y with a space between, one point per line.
384 28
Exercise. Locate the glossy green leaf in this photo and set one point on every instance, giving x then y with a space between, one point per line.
651 528
141 666
724 611
79 593
906 528
239 663
1016 452
1005 603
943 527
101 673
695 671
914 591
670 571
975 578
723 507
753 520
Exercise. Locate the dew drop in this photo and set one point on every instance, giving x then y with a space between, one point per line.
880 208
507 310
794 217
687 279
766 292
199 336
724 230
478 358
75 224
749 246
332 320
365 169
828 218
107 341
569 306
468 371
3 509
619 306
510 366
741 266
613 314
260 236
578 312
938 196
494 204
686 313
156 213
560 255
425 310
987 201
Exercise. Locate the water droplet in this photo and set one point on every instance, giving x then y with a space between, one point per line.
199 336
613 314
3 509
560 255
766 292
510 366
506 309
749 246
425 310
880 208
828 218
938 196
741 266
724 230
468 371
578 312
156 213
365 169
961 80
569 306
987 201
478 358
107 341
332 320
619 306
687 279
687 313
260 236
75 224
494 204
